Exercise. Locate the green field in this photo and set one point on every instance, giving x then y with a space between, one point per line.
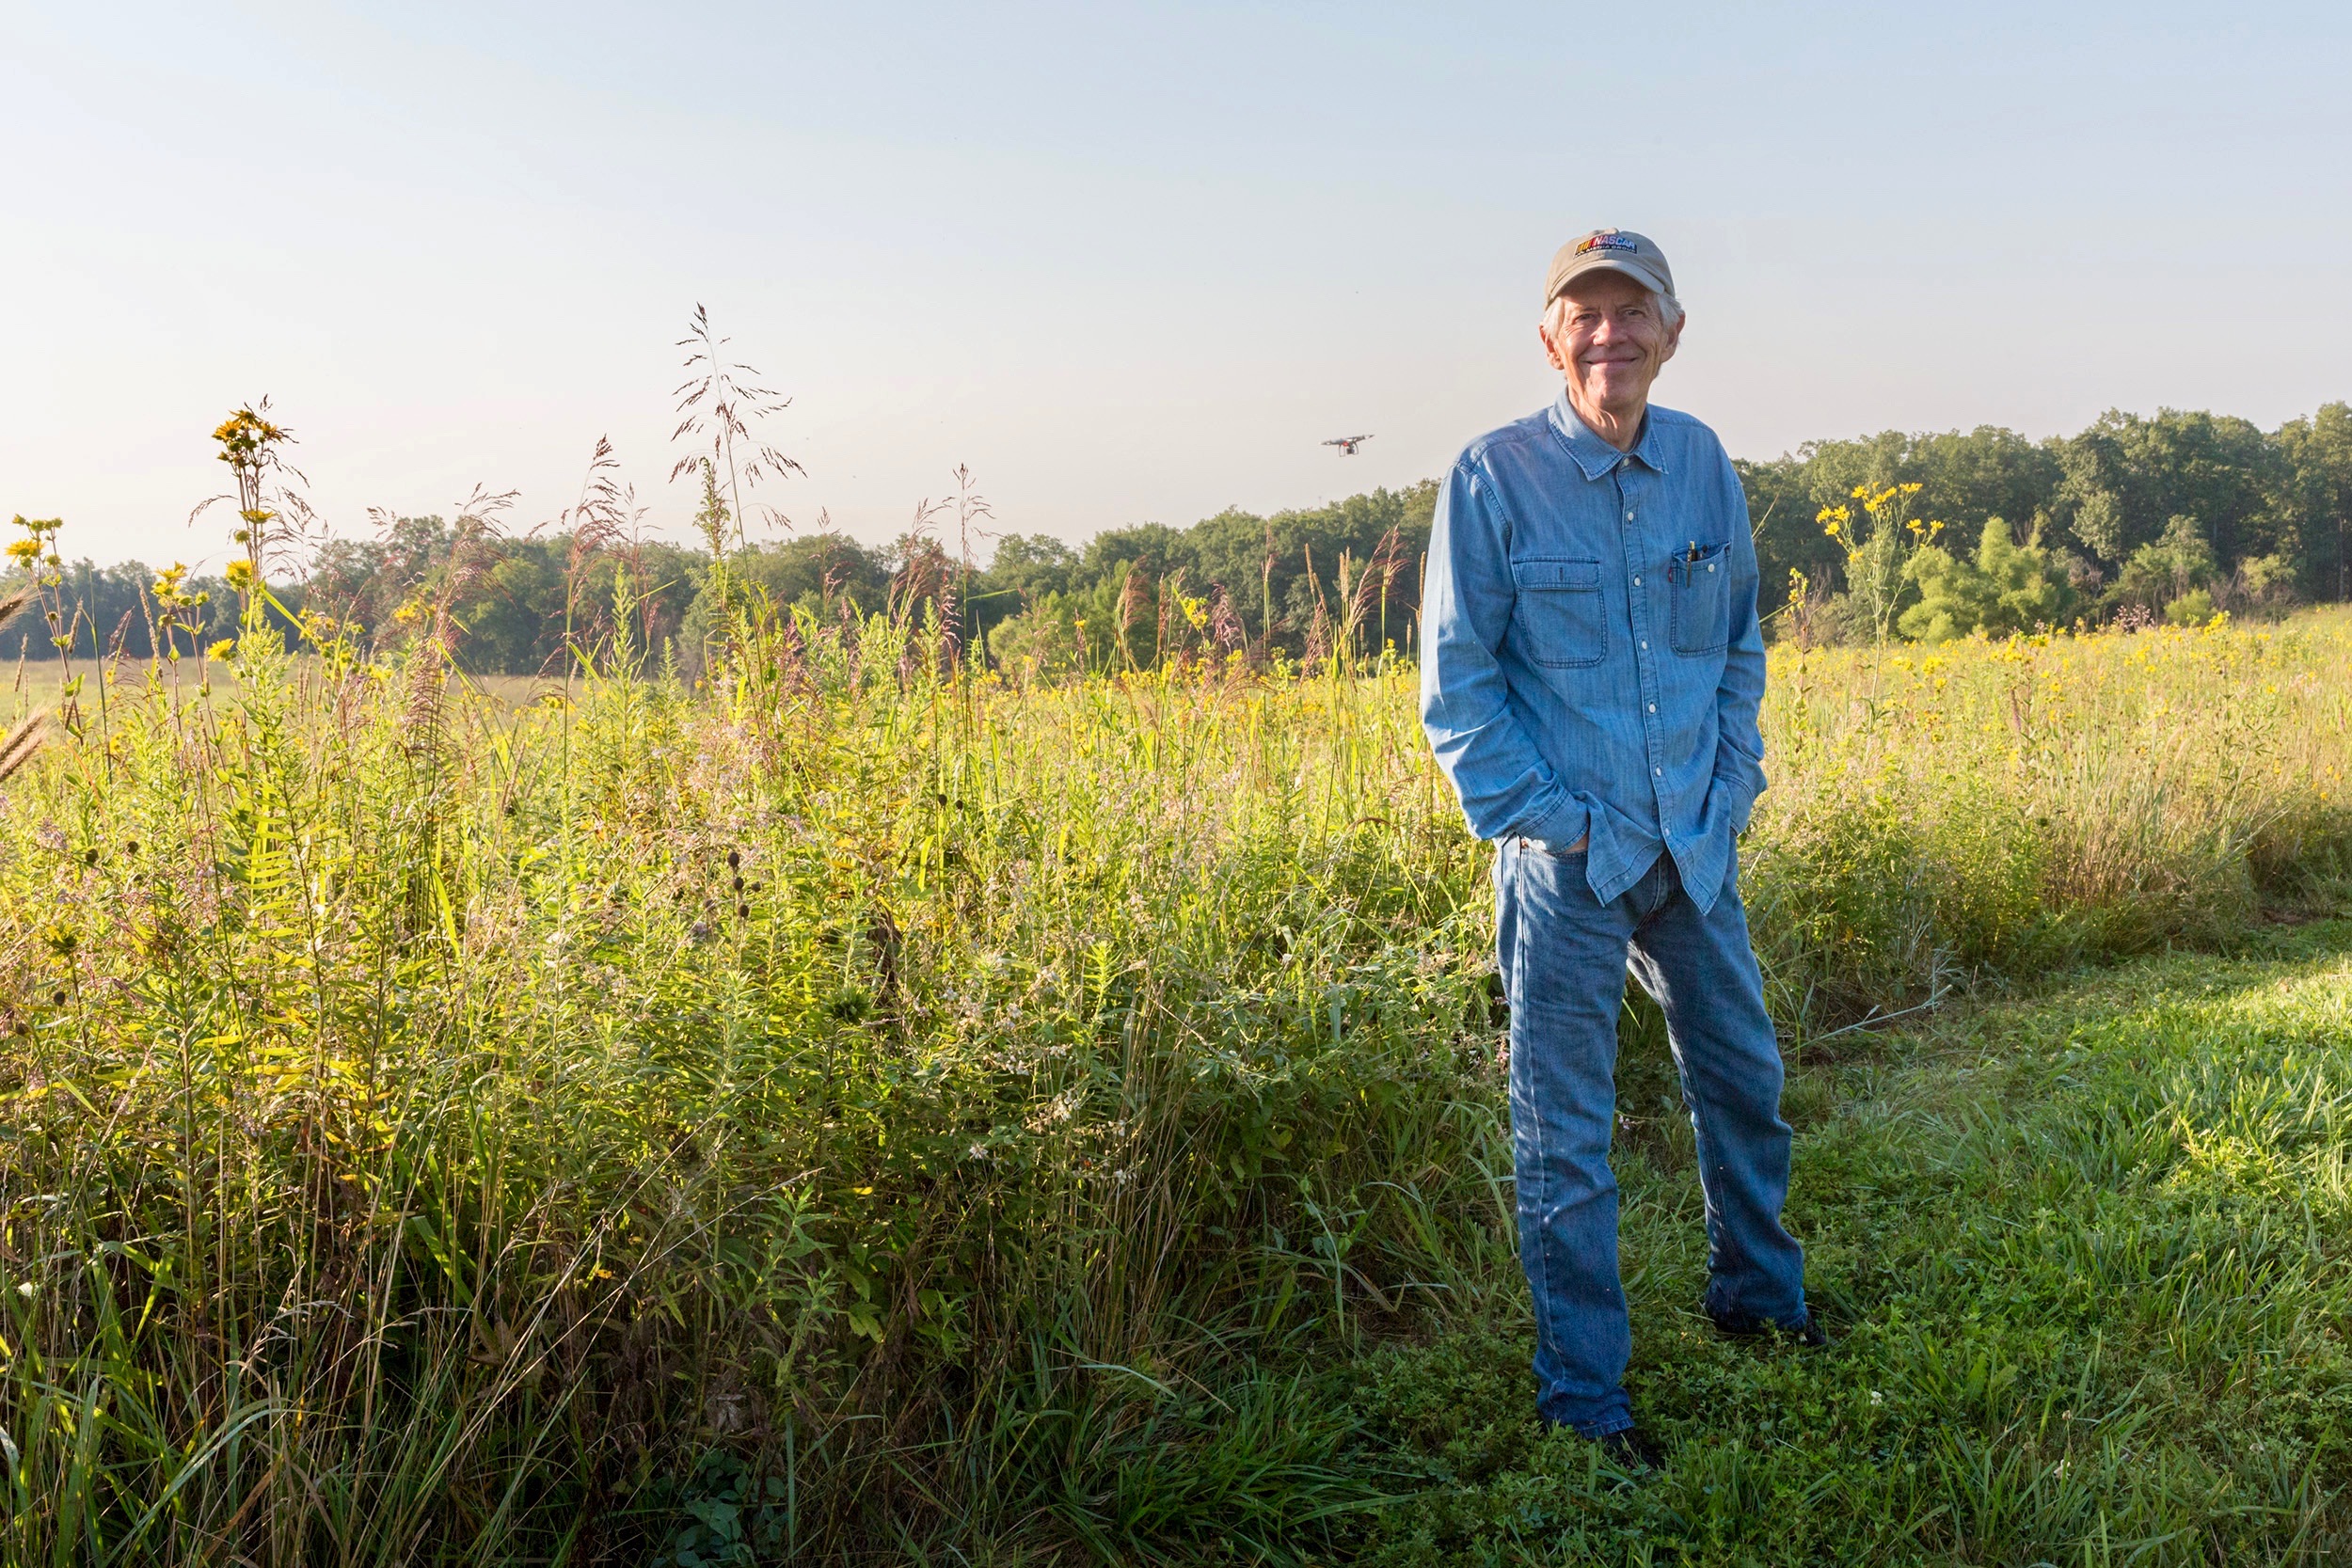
34 687
2088 1255
870 1110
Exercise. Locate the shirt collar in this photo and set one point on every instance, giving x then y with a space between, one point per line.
1595 456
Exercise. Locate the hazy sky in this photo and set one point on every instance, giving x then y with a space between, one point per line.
1130 262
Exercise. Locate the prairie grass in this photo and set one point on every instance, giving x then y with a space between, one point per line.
868 1111
37 686
1994 809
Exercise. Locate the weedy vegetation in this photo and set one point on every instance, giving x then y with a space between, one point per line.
859 1107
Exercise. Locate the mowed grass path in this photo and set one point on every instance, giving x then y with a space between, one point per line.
2089 1256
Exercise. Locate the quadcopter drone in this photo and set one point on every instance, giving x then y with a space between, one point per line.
1348 444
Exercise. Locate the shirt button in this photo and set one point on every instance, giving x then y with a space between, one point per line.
1653 708
1637 582
1645 647
1628 516
1657 772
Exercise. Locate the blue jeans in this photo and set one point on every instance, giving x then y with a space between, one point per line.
1564 957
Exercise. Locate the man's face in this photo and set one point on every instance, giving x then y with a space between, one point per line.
1610 343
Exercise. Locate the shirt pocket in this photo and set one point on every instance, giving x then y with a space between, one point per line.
1701 593
1560 616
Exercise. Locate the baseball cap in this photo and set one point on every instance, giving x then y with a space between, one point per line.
1609 251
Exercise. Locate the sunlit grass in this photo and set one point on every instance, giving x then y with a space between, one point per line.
2082 1258
863 1105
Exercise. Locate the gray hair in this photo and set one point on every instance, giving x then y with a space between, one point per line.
1669 310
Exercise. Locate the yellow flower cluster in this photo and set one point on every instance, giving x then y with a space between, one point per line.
244 433
40 543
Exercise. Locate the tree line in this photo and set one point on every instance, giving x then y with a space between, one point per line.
2178 514
2132 516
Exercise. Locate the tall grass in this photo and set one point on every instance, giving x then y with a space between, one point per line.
864 1108
1995 809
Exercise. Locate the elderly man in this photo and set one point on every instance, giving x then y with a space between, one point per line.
1590 675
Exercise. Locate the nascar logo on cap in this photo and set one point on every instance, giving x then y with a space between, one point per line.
1608 250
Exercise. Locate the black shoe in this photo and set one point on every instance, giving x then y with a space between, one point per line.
1808 1334
1632 1449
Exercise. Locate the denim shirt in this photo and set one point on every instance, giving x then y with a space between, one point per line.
1591 663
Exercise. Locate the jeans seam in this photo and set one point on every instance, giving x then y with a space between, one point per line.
1543 1166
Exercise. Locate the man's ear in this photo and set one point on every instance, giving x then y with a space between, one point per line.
1674 339
1552 350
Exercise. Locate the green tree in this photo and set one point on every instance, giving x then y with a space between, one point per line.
2007 588
828 573
2316 495
2126 477
2169 569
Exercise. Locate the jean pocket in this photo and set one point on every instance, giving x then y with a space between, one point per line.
1576 851
1559 617
1701 597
